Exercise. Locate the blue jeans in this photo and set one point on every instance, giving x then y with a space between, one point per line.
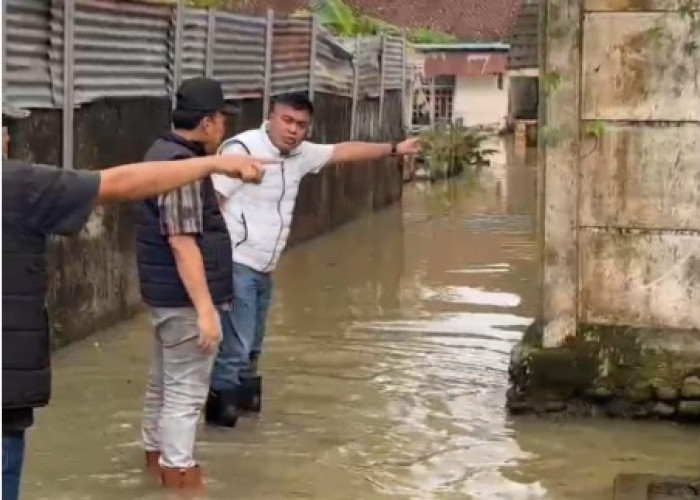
243 328
12 458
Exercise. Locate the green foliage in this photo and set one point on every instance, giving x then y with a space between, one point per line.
595 129
426 35
655 33
552 80
345 21
449 149
341 19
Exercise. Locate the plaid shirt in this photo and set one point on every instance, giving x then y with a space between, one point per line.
181 210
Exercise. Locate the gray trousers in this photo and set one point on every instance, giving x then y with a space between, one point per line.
177 388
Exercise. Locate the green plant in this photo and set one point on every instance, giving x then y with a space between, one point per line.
449 149
426 35
345 21
552 80
595 129
660 36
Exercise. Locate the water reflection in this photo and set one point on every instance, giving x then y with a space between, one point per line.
385 375
470 295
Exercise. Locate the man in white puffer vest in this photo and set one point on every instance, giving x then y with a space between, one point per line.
259 217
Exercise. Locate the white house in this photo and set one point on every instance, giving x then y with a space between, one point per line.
467 82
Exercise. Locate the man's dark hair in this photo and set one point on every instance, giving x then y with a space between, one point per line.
188 120
297 101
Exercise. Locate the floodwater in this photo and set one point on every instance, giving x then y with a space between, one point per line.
385 375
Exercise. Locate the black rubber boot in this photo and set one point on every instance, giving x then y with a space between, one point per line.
250 397
222 408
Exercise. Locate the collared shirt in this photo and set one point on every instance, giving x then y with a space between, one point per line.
181 210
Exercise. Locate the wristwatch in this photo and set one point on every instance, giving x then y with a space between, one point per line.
393 148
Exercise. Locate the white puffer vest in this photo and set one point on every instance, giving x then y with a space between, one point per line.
259 216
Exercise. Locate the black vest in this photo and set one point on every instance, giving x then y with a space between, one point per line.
160 281
26 369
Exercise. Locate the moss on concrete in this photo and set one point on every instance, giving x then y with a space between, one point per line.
625 370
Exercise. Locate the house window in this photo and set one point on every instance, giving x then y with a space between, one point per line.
444 101
444 98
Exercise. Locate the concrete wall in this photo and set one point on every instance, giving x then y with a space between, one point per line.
479 101
93 278
620 187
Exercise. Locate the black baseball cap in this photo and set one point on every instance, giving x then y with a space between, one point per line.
202 95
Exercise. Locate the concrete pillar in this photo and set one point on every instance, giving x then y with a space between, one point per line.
561 67
619 328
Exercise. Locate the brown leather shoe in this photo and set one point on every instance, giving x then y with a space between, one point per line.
152 465
182 479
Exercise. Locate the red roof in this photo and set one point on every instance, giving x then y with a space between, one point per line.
464 63
469 20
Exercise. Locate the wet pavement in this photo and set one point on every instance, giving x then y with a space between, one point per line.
385 375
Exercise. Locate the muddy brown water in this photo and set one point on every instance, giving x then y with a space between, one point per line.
384 373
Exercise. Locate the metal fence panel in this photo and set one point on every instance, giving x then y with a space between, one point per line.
239 55
369 66
194 43
120 50
291 51
26 76
394 60
334 72
127 49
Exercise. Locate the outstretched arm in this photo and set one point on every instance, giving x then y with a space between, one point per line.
354 151
59 201
143 180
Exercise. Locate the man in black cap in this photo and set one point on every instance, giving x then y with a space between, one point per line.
38 201
185 270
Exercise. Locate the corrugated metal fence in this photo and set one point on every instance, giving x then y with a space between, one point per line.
130 49
96 49
239 54
26 42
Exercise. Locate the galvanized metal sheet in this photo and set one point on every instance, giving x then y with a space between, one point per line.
26 80
194 43
395 61
291 52
128 50
334 70
369 64
239 55
120 50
